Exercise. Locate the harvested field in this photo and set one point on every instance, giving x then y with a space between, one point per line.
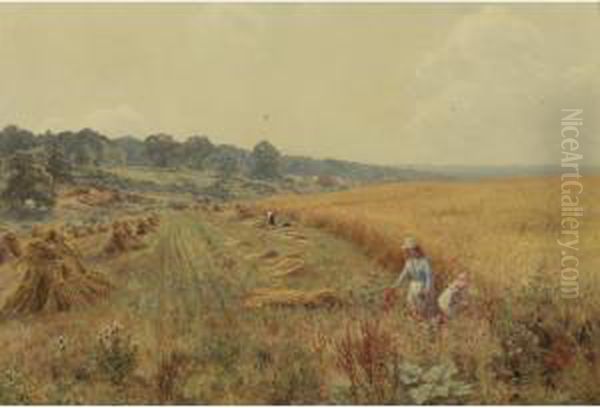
127 235
240 301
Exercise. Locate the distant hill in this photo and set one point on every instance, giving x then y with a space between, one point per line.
306 166
477 172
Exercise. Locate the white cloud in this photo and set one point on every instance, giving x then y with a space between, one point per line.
492 86
117 121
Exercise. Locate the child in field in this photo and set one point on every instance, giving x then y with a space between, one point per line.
453 298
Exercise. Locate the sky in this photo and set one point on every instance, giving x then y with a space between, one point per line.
435 84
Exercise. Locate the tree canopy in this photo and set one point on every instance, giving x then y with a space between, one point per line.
266 159
30 189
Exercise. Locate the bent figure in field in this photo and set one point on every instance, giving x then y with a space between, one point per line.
271 218
454 297
417 270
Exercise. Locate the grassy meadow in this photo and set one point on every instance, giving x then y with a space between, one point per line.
212 306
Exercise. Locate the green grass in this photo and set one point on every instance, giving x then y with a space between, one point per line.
169 176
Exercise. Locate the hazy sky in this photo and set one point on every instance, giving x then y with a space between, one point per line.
425 84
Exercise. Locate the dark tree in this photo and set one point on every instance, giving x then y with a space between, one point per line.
161 149
58 166
13 139
30 188
83 155
228 165
89 147
226 160
196 149
266 161
134 149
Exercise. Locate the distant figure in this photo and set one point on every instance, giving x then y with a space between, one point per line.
271 218
417 270
453 298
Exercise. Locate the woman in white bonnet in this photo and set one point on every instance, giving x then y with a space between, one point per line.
417 269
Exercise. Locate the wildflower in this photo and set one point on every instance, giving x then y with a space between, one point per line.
61 344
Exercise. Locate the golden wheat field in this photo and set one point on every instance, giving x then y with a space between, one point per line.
500 231
503 233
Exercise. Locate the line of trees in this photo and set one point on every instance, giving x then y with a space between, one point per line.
60 153
88 147
34 165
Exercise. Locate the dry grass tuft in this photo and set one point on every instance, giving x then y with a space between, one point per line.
10 247
171 369
123 239
292 298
